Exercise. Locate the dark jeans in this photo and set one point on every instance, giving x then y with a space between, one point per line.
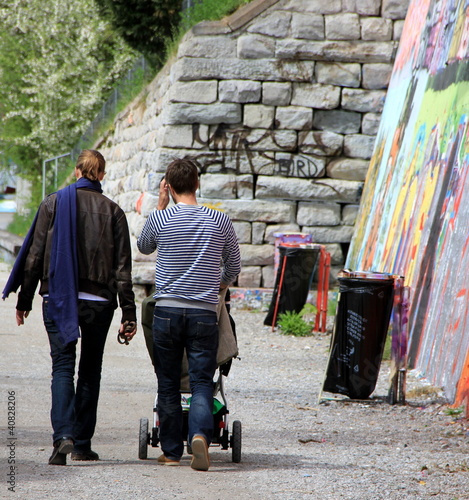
73 412
196 331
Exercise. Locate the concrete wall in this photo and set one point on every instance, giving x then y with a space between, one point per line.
280 103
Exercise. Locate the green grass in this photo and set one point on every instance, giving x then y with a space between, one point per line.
203 10
292 323
454 411
21 224
387 348
332 303
209 10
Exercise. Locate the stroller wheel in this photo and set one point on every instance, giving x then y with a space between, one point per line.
143 439
236 441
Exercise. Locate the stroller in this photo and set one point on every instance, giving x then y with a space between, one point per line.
227 350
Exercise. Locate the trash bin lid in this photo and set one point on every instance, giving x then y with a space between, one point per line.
371 275
300 235
313 246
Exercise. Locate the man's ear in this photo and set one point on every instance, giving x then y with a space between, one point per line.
171 192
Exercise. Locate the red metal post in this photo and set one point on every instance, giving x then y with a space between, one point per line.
319 291
325 291
279 291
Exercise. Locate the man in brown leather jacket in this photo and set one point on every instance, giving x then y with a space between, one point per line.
79 250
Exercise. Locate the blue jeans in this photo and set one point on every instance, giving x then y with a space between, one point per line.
73 412
196 331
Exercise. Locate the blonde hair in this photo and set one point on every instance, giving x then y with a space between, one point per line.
91 164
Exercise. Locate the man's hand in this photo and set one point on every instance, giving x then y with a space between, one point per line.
20 316
163 195
124 331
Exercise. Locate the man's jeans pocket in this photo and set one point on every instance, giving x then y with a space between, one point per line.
162 331
207 336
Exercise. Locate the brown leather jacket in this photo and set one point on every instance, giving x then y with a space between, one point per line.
104 254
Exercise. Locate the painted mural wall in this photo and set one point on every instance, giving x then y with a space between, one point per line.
414 214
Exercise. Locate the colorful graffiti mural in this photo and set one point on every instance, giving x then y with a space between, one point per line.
414 214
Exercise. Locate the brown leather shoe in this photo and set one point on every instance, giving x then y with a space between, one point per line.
164 460
61 448
89 455
200 456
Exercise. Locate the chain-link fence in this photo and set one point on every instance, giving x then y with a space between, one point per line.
55 171
186 4
138 73
120 96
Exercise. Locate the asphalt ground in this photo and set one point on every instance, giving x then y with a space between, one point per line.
292 446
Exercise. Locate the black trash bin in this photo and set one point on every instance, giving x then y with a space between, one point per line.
362 321
297 264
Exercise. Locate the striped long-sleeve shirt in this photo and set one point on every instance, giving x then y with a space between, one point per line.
191 242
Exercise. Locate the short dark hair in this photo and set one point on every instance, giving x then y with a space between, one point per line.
183 176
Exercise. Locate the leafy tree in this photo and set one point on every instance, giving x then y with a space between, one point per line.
145 25
150 26
58 63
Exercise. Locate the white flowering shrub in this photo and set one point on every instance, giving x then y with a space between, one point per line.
58 63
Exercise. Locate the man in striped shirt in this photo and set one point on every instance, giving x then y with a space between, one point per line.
192 241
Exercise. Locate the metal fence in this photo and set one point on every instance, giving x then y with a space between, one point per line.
139 71
55 170
110 107
186 4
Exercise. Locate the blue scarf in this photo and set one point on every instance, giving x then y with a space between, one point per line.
63 267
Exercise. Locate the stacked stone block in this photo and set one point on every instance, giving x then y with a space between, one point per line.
280 104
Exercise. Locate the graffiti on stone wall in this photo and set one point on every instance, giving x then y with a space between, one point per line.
256 151
299 166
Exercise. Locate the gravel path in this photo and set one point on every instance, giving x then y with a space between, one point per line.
293 447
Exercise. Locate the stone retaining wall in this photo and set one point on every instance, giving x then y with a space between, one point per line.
280 104
10 245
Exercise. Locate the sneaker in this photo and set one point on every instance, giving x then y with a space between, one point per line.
164 460
61 448
84 455
200 457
